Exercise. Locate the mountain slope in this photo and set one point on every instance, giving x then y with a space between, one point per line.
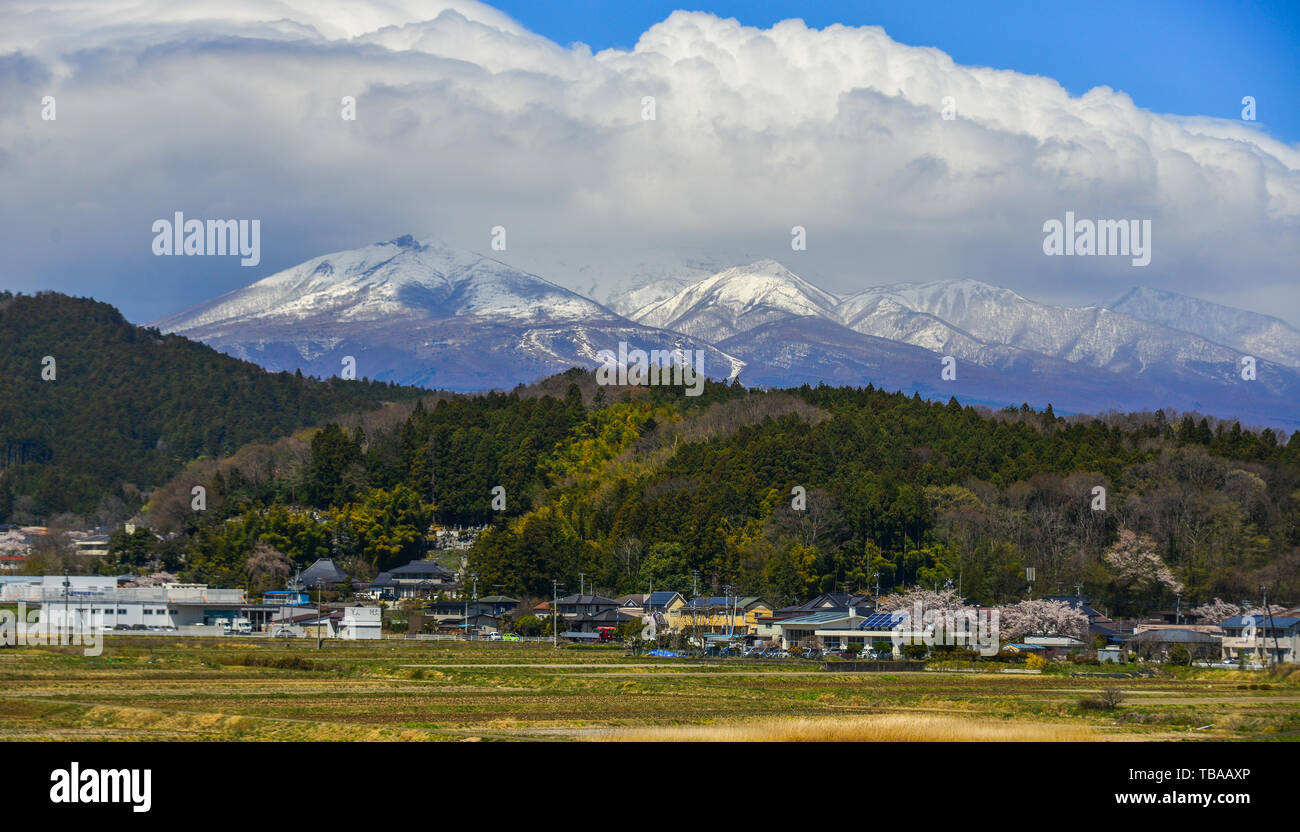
967 318
128 407
420 314
810 349
1262 336
738 299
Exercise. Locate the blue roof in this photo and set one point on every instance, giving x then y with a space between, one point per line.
658 599
1261 621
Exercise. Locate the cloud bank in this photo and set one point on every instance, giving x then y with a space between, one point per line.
466 121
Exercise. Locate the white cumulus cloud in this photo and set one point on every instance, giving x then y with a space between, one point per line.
466 121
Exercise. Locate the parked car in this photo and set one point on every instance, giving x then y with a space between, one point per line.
510 637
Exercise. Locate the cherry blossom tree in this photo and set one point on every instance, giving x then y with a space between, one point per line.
1135 564
1216 611
944 599
267 566
1041 618
1219 610
13 542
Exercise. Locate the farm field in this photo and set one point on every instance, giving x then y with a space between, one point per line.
159 688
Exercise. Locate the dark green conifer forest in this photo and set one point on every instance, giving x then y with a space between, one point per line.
641 487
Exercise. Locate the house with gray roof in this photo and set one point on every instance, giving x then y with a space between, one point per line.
323 572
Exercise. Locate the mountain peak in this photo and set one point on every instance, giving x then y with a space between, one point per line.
404 241
397 279
738 298
1262 336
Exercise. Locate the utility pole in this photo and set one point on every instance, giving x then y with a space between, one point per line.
474 578
66 629
1263 590
726 606
555 605
318 624
695 606
1245 609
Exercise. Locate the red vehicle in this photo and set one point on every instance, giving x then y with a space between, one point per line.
606 633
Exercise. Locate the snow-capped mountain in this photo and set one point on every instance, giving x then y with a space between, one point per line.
1262 336
429 315
811 349
1093 335
996 328
737 299
420 314
643 293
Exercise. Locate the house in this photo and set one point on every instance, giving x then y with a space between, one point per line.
1098 623
322 573
575 606
487 613
497 605
95 545
643 604
478 622
587 614
1275 639
730 614
1158 643
830 602
417 579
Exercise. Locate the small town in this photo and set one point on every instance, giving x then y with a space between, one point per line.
424 600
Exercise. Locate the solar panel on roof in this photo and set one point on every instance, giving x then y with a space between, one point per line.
882 620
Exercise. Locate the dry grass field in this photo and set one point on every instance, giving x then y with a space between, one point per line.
149 688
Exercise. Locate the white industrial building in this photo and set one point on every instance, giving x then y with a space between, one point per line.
85 601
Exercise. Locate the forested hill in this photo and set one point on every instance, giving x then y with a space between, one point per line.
627 489
127 407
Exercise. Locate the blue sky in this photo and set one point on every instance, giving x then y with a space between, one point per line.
1187 58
